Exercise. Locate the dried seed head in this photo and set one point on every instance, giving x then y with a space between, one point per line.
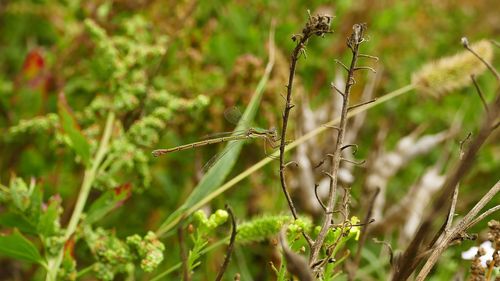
451 73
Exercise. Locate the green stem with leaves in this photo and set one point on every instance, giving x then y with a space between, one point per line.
88 179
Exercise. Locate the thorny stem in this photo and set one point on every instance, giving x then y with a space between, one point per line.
286 114
354 41
88 179
317 25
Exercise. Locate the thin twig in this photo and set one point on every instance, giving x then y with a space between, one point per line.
465 43
446 227
365 68
350 145
230 247
342 64
482 216
479 92
451 213
360 104
183 252
358 163
462 143
332 127
338 90
368 57
317 25
317 197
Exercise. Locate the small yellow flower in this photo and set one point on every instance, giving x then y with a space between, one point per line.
355 229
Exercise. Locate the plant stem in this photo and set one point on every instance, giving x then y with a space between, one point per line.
286 113
355 39
316 25
88 179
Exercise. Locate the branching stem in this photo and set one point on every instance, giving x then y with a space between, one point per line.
354 41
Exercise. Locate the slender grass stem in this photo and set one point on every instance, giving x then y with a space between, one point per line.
88 179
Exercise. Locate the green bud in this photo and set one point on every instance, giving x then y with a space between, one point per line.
149 250
103 271
54 244
200 217
218 218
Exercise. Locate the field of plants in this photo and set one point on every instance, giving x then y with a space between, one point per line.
249 140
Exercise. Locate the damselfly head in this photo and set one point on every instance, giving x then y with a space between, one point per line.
157 153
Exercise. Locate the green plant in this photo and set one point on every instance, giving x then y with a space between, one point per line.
88 90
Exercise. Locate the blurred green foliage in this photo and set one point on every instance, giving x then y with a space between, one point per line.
168 69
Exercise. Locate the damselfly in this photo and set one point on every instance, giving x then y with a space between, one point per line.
270 136
234 116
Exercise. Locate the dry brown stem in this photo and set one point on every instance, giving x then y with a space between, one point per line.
317 25
353 43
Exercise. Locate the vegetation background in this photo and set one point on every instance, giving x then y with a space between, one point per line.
195 59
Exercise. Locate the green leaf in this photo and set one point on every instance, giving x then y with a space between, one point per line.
77 140
35 208
18 247
48 224
219 171
14 220
107 202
